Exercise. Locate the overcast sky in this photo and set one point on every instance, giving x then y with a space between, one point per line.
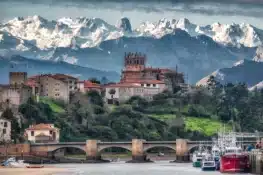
200 12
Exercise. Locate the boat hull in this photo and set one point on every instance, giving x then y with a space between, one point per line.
234 163
208 168
197 164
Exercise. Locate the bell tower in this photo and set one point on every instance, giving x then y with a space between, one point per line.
134 61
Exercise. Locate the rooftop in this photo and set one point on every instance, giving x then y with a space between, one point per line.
42 126
89 84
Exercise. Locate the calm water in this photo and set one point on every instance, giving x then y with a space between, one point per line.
122 168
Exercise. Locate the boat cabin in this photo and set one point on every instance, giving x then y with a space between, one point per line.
231 150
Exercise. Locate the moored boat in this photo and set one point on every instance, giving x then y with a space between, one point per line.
216 156
197 159
208 163
234 160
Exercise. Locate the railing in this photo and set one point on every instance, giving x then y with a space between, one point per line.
126 142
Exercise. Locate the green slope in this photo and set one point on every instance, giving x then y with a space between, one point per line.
55 108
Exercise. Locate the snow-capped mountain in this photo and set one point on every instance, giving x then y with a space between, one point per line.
89 32
245 71
33 67
89 42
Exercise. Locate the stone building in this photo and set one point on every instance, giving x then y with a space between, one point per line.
16 92
17 78
86 85
5 129
56 86
42 133
139 80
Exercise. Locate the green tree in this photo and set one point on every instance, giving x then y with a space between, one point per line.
94 80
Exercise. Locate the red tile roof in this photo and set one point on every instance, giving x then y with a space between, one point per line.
124 85
63 76
89 84
42 126
31 82
145 81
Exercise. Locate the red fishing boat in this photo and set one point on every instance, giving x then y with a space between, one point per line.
234 160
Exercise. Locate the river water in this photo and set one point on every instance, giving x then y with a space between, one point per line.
122 168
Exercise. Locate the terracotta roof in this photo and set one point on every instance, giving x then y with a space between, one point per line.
31 82
145 81
63 76
42 126
124 85
55 76
89 84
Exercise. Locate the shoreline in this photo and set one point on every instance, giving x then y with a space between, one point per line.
35 171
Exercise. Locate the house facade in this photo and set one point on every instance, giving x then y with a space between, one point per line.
56 86
42 133
5 129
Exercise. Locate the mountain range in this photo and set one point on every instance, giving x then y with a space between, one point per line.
32 67
245 71
91 42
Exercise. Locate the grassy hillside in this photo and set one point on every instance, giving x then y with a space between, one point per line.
55 107
206 126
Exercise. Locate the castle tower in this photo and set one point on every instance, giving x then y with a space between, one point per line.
134 61
17 78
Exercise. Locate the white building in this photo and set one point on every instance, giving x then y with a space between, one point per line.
42 133
5 129
123 91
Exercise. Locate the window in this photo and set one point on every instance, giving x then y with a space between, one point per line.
50 132
70 82
148 85
32 133
154 85
46 94
5 124
4 131
70 87
142 85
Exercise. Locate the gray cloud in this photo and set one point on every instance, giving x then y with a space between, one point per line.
249 11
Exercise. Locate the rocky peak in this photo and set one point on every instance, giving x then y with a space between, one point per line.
125 24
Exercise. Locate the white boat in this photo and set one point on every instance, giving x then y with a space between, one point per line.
198 156
208 163
11 162
18 164
197 159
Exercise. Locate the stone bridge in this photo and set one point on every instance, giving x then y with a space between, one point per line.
138 147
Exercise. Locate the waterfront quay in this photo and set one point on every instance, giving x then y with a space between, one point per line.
50 152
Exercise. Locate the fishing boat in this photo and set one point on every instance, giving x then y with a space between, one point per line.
216 156
233 158
198 156
208 163
197 159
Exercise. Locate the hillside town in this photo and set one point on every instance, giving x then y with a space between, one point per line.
136 80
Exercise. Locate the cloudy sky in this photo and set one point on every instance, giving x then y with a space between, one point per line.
200 12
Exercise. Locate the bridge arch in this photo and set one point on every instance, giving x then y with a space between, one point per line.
193 148
64 147
102 148
147 148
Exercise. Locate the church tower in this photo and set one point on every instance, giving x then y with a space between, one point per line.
134 62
